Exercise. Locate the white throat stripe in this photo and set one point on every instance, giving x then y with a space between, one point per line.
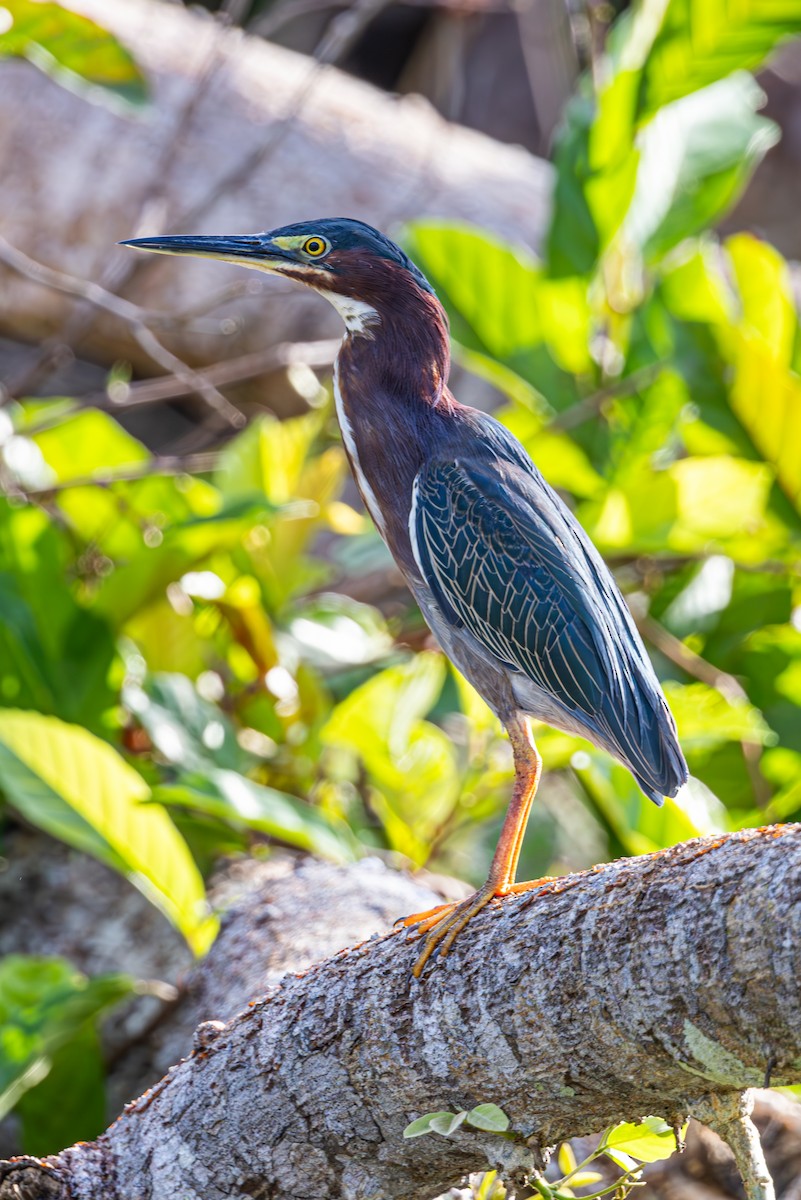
357 315
350 445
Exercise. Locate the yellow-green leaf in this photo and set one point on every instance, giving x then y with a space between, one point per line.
566 1159
651 1140
77 52
79 789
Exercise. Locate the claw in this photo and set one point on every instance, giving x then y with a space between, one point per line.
418 918
444 923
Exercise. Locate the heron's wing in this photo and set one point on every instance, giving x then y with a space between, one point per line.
504 563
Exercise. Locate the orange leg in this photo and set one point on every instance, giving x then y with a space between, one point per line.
445 922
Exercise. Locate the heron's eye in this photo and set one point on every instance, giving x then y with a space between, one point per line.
315 247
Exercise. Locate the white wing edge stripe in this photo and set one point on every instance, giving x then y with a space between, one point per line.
413 524
348 438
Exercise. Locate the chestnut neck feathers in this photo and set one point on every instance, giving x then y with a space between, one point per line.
391 384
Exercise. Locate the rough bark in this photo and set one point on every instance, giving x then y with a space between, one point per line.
645 986
242 136
280 914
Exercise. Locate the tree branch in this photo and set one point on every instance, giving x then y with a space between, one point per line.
645 986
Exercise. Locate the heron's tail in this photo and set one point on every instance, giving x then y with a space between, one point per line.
655 758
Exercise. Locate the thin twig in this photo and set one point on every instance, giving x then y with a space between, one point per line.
590 406
235 370
99 297
165 464
685 658
727 685
170 387
122 268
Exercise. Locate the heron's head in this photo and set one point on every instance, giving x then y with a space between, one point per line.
357 268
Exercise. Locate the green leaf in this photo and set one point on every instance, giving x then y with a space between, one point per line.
573 240
595 155
275 460
247 805
696 504
705 718
187 730
55 654
504 308
624 1161
704 40
642 148
695 159
267 459
90 442
650 1141
77 788
69 1104
424 1124
566 1159
766 395
78 53
45 1005
409 761
447 1123
488 1117
634 825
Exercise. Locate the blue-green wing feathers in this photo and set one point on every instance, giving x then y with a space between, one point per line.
506 561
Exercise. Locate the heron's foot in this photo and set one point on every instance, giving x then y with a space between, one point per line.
442 925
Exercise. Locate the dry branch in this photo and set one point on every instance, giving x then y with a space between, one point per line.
645 986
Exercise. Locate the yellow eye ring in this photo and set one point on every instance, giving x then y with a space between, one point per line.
315 247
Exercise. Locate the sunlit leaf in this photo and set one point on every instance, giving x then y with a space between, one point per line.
566 1158
766 395
650 1141
77 788
695 158
77 52
234 798
704 40
705 717
409 761
188 730
87 443
446 1125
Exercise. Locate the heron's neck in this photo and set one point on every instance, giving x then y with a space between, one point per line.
392 402
397 346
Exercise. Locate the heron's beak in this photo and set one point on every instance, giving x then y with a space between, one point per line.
257 250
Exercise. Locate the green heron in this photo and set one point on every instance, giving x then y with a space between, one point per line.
510 584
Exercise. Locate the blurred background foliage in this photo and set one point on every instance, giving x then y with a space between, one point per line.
216 657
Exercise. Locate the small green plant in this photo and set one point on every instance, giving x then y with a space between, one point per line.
487 1117
628 1146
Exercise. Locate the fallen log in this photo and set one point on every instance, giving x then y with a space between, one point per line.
242 135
